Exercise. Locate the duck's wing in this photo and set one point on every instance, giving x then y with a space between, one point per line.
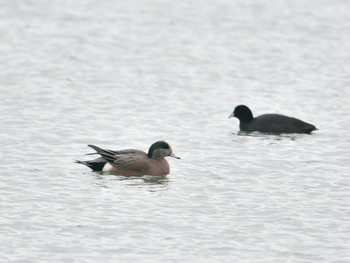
129 159
136 161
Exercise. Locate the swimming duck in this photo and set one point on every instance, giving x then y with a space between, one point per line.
133 162
269 123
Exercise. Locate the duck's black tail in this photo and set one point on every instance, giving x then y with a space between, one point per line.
96 165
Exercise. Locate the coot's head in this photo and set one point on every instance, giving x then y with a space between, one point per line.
243 113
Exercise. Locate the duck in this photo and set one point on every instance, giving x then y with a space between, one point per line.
131 161
269 123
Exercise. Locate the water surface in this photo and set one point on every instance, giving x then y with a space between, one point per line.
126 74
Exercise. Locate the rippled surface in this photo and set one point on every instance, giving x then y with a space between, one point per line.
125 74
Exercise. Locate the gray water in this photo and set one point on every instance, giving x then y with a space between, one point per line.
124 74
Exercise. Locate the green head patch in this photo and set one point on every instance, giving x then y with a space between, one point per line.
156 146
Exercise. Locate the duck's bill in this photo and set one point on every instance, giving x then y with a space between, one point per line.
231 115
174 156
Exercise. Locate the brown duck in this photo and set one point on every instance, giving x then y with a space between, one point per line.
133 162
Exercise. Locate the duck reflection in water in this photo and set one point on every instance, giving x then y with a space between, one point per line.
149 182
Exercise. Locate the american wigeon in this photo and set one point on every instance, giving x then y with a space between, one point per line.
269 123
133 162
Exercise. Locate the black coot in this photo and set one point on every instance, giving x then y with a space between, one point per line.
269 123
